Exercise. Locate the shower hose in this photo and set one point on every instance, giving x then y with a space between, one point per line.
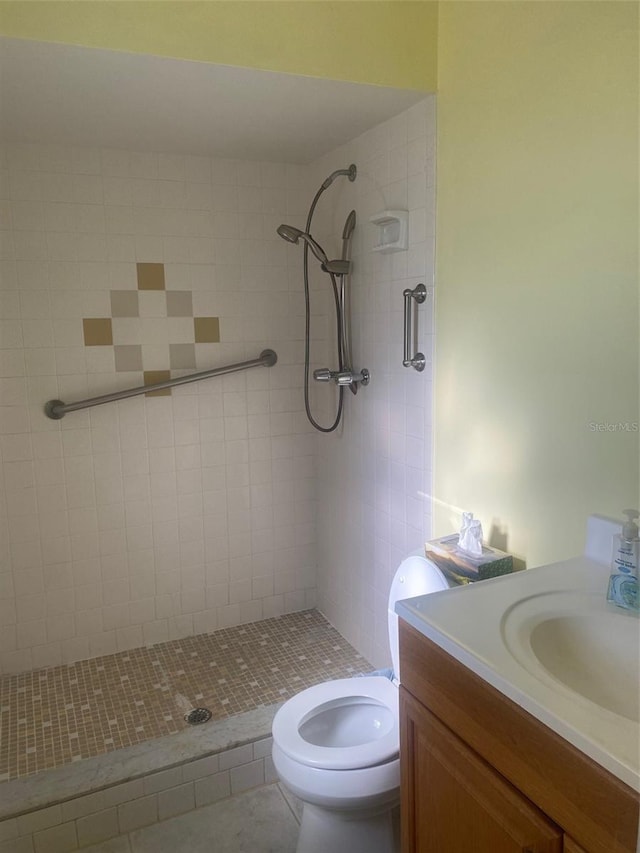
307 329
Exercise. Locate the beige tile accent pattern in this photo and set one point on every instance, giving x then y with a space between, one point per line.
207 330
152 303
179 303
150 276
124 303
97 331
182 356
151 306
128 357
153 376
56 716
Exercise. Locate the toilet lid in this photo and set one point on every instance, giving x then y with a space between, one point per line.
415 576
344 724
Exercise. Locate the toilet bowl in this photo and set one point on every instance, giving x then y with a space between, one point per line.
336 745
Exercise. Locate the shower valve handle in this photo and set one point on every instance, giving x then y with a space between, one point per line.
348 377
324 375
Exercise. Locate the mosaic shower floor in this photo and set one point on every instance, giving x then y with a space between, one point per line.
52 717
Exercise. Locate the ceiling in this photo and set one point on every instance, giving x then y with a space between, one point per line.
66 94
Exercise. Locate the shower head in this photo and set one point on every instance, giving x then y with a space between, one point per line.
349 225
293 235
289 233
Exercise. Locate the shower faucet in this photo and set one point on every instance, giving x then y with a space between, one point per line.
342 377
339 270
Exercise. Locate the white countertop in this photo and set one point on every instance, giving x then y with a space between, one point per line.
468 622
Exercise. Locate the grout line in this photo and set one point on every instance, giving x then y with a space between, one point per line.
284 796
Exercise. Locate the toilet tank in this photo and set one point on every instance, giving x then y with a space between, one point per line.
415 576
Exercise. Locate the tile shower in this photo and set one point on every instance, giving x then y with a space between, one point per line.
63 714
215 505
150 519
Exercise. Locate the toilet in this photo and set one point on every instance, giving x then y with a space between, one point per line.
336 745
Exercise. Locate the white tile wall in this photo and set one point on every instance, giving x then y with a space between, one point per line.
375 473
152 519
148 519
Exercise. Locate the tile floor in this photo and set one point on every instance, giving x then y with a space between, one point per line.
263 820
56 716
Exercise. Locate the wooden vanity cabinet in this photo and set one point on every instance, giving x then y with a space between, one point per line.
481 775
570 846
459 802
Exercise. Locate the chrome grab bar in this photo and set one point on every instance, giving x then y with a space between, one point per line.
56 409
417 360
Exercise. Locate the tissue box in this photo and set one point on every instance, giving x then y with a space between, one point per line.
461 567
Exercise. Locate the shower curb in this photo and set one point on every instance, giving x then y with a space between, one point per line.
72 807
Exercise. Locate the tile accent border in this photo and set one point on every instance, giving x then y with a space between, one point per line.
97 332
153 376
206 330
124 303
128 357
118 809
150 276
130 329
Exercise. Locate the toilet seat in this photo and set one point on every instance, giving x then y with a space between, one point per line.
375 696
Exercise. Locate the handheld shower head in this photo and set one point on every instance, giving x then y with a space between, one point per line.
293 235
349 225
289 233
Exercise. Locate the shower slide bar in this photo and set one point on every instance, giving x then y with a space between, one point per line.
56 409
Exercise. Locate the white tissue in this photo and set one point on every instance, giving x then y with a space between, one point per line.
470 538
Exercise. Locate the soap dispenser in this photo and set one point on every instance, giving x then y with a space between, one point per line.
623 581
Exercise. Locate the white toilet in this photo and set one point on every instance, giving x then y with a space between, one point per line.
336 744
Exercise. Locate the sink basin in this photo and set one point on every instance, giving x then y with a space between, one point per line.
577 642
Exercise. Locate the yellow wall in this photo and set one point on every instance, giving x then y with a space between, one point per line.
390 43
537 289
537 268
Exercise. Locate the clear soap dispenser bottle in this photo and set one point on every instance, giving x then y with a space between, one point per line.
623 581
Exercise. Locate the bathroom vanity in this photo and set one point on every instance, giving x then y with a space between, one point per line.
500 753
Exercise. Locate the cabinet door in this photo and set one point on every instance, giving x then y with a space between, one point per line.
570 846
454 802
